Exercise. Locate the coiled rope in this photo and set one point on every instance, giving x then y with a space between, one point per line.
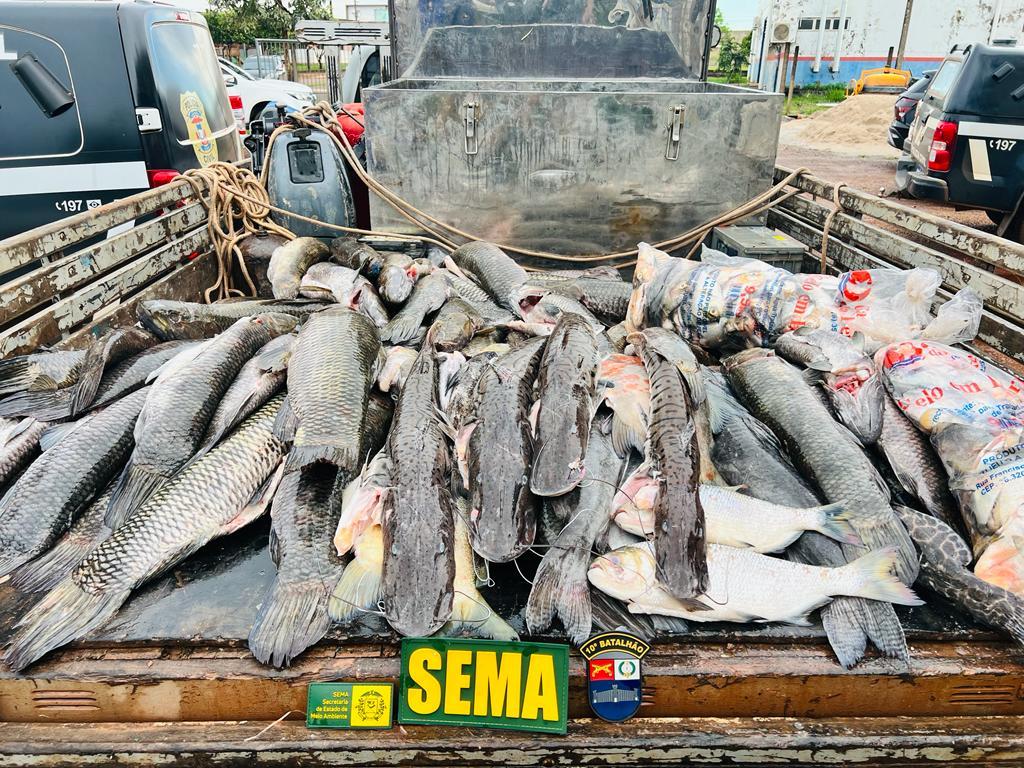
238 206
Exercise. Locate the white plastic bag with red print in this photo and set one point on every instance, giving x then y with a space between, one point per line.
725 298
973 412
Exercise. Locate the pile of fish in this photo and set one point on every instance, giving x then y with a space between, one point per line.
409 422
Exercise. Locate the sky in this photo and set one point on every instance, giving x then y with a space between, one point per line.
739 14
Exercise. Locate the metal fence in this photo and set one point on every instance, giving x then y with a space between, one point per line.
317 65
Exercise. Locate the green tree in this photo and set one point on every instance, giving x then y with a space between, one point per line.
242 21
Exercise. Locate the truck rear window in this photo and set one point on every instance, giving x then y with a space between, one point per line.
944 79
189 81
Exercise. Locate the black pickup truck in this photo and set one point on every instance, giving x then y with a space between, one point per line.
966 146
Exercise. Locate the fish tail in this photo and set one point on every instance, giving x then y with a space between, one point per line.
12 559
50 568
834 522
14 375
842 621
884 630
561 587
66 613
358 590
303 455
472 614
293 617
872 576
44 405
133 488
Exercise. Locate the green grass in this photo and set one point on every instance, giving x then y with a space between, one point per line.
733 78
807 101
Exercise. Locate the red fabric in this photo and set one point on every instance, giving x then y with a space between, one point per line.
353 130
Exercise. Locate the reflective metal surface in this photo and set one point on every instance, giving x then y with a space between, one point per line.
569 166
511 37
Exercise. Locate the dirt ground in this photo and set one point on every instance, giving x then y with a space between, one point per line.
849 143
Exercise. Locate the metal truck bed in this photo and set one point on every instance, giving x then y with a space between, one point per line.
170 680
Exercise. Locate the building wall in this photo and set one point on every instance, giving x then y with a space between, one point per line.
864 30
360 10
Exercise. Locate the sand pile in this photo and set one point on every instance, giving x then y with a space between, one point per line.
859 126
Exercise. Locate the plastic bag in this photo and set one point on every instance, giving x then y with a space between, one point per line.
723 299
973 412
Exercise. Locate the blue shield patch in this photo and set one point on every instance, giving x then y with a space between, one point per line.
614 674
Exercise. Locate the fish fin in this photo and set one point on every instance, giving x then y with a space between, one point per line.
257 505
402 328
886 530
842 621
50 568
42 406
286 423
15 374
275 359
474 617
626 436
694 384
561 587
292 617
83 391
11 560
358 590
834 522
20 428
55 433
872 576
134 487
65 614
884 630
534 413
242 409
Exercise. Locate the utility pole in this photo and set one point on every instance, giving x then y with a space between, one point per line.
903 35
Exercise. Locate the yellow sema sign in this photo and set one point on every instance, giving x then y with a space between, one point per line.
522 686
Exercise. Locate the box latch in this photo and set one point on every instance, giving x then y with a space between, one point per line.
675 131
472 143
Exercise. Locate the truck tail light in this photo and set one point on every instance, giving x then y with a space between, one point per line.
940 155
159 178
236 101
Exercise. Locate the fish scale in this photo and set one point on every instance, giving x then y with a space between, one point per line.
777 394
47 498
180 407
217 494
293 615
679 535
497 274
330 374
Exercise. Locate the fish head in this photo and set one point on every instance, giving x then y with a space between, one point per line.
366 300
395 283
276 323
1002 563
164 318
625 573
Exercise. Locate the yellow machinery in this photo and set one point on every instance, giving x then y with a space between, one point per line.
880 80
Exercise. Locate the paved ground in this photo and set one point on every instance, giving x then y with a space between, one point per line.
871 170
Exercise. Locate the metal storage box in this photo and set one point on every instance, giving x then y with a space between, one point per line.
769 245
566 137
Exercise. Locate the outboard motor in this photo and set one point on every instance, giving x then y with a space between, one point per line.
307 175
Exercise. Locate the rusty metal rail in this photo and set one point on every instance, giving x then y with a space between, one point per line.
63 276
872 232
